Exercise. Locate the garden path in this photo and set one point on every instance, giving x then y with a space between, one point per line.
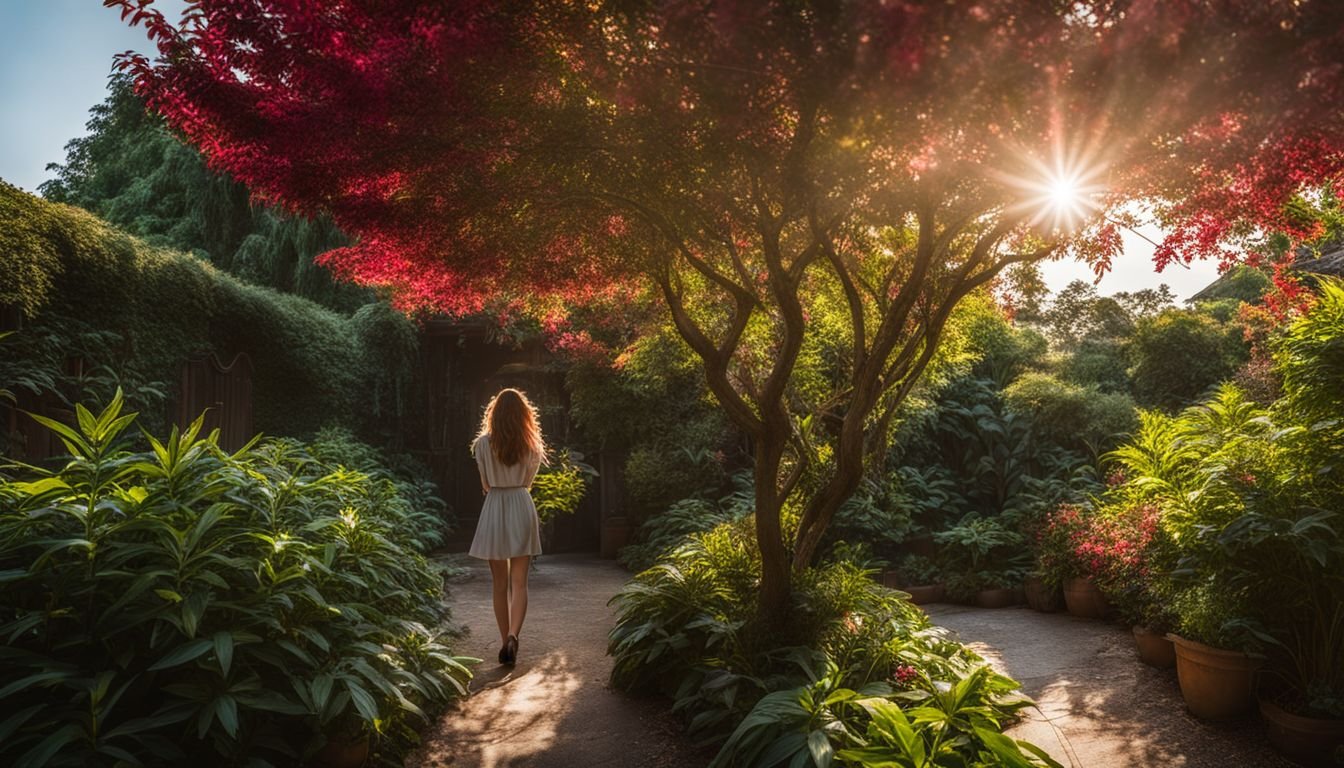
1097 705
554 709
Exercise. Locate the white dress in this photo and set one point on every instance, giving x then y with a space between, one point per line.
508 526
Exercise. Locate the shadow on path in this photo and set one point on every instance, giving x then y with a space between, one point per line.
1099 706
553 709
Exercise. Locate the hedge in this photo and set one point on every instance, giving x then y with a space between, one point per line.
312 366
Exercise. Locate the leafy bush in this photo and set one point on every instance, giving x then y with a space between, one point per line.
917 571
186 605
407 490
805 694
981 553
881 516
1100 363
558 489
1179 355
664 532
1070 416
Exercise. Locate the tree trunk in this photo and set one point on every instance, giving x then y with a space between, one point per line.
776 582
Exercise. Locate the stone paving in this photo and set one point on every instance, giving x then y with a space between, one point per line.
1098 706
553 709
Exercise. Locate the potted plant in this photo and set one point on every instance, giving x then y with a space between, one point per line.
1216 670
1131 547
983 555
920 577
1042 592
1067 554
999 589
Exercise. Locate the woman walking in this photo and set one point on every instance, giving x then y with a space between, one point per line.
508 450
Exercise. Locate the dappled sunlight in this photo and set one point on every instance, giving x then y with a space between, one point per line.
554 707
512 715
1096 705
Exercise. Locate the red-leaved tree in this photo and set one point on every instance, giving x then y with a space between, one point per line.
742 157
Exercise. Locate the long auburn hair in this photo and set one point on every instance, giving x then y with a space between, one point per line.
514 429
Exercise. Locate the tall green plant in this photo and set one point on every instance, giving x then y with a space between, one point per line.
185 604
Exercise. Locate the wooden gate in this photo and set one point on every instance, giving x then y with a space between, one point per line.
223 393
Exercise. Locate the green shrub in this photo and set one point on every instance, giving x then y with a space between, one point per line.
918 571
1070 416
981 553
558 489
881 516
1100 363
804 694
185 605
71 274
1179 355
408 491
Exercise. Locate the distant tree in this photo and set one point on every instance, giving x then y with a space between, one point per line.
738 158
1026 293
131 171
1146 302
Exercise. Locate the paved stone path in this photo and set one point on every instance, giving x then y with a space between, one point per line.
1099 706
554 709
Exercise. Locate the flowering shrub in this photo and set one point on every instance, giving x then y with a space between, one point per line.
1115 545
1056 556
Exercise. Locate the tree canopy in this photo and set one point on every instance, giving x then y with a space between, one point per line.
745 159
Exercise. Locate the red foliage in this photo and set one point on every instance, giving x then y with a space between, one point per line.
1110 548
480 149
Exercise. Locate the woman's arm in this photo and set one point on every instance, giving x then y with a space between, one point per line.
479 448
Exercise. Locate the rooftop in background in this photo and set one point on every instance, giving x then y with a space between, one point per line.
1330 263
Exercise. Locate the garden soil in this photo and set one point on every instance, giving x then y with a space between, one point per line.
1098 706
554 708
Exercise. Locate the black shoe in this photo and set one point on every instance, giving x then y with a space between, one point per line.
510 651
504 653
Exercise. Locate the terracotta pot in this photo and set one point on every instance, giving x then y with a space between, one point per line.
342 752
925 594
1040 597
1307 740
1083 599
1155 649
1215 683
615 534
996 598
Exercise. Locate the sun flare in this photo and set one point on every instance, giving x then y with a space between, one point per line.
1058 195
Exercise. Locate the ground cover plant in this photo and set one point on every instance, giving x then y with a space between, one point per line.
860 678
183 605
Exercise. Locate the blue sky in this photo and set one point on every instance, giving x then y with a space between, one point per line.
55 56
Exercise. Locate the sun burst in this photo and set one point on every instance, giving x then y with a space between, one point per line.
1058 196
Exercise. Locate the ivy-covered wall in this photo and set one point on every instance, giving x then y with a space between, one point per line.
72 277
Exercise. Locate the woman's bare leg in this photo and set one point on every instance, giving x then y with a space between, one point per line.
518 598
499 578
